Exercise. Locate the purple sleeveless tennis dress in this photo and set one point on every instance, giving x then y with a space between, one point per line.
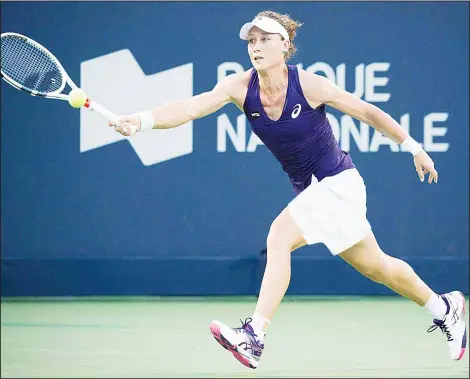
302 139
332 211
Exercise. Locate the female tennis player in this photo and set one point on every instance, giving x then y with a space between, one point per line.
286 109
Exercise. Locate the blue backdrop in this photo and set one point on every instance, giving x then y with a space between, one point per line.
82 216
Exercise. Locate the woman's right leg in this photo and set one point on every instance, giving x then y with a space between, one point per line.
246 343
283 238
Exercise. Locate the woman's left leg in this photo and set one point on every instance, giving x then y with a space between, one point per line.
447 309
369 259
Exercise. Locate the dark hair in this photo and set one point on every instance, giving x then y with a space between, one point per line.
289 24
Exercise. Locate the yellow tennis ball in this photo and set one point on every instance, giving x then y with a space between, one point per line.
77 98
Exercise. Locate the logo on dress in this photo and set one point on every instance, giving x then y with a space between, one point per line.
255 114
296 110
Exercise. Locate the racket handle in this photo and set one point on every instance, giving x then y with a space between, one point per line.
94 106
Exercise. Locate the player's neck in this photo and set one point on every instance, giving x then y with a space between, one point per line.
274 79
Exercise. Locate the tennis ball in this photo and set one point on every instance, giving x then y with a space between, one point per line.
77 98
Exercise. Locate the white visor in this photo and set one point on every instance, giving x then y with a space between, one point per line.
266 24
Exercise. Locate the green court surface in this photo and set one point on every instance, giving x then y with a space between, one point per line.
169 337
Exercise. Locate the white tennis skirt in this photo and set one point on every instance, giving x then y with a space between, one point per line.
333 211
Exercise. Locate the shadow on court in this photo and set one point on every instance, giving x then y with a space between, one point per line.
169 337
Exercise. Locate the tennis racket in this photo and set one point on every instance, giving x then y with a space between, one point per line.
30 67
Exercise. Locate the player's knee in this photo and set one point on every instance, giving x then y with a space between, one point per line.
376 270
279 238
374 274
400 270
275 240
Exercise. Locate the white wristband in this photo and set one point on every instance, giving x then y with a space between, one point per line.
411 146
146 121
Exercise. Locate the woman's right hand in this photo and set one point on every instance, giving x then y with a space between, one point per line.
127 125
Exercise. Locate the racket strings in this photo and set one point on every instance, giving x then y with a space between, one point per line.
29 66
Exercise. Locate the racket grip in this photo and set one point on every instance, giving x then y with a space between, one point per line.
94 106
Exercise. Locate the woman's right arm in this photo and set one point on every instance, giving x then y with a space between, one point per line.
179 112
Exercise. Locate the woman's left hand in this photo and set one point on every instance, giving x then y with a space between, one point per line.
425 165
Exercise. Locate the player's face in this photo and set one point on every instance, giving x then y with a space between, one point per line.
265 49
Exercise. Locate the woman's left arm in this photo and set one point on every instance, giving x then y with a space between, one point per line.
320 90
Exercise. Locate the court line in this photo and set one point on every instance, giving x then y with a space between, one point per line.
439 372
60 325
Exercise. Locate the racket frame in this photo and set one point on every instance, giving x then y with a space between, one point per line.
90 104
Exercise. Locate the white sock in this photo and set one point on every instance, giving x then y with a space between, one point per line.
260 325
436 306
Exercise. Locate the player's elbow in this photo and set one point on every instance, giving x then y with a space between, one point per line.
371 115
192 112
